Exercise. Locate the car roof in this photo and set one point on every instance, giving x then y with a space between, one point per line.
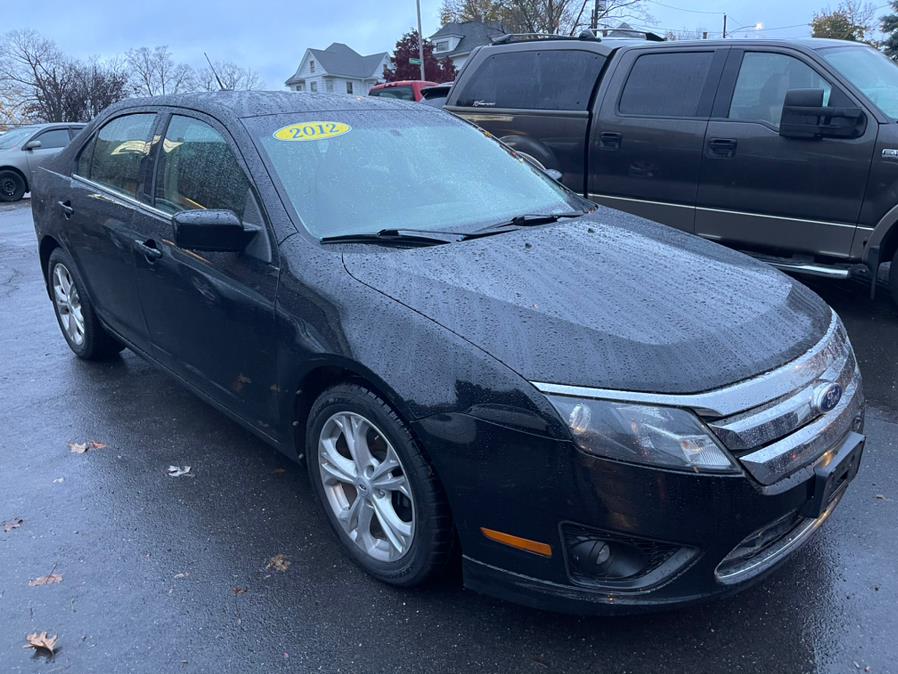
225 105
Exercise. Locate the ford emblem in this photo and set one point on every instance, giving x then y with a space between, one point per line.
826 397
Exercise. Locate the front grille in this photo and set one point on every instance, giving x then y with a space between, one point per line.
782 435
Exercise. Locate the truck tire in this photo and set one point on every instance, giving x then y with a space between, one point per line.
12 186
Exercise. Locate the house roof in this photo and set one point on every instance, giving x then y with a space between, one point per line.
340 59
472 33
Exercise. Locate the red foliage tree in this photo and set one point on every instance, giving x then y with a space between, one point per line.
435 70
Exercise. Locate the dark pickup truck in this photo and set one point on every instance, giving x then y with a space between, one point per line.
787 150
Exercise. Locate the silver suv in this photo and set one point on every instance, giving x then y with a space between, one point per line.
25 149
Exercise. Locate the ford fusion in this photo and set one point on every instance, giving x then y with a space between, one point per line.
594 411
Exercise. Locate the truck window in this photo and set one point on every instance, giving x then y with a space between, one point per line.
534 80
666 85
764 79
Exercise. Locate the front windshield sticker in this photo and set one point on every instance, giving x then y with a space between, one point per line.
312 131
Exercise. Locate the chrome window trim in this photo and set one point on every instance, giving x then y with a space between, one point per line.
124 197
726 401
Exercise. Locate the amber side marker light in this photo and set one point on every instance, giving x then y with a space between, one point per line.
525 544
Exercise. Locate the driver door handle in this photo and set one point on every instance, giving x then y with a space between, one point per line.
723 147
148 248
67 210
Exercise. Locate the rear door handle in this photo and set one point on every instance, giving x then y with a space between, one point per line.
723 147
610 140
148 248
67 210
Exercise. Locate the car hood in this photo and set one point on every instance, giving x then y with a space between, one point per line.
607 301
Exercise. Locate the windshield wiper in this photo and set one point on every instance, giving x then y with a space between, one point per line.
527 220
399 237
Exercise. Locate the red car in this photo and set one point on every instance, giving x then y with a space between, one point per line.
406 90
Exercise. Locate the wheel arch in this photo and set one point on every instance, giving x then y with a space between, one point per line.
883 241
323 373
47 245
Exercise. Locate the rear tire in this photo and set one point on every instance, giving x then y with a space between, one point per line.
12 186
83 332
893 277
393 522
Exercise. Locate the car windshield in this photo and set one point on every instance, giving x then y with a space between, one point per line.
366 171
11 139
870 71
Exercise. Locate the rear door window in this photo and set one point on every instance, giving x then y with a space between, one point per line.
119 151
534 80
666 85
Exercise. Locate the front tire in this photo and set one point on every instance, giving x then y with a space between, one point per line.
12 186
378 491
83 332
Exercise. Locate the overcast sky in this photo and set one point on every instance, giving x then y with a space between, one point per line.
271 35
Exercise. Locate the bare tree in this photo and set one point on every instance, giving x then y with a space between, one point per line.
232 76
33 76
851 20
683 34
94 86
545 16
153 72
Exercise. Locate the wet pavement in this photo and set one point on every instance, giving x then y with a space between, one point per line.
168 574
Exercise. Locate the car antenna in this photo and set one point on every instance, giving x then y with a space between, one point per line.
212 68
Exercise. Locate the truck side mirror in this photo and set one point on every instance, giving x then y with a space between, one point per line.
805 116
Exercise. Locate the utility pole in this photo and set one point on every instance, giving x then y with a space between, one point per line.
420 41
724 26
597 11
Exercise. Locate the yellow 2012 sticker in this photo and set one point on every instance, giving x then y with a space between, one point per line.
312 131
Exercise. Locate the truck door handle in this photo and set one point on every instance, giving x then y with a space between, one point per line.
723 147
148 248
67 210
610 140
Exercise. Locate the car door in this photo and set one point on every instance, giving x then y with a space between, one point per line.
210 315
52 142
536 101
100 212
767 192
645 151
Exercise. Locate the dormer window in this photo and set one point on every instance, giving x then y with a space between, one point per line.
441 45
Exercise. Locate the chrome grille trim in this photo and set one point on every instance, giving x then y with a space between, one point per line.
731 400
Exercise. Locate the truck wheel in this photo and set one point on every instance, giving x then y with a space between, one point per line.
893 277
12 186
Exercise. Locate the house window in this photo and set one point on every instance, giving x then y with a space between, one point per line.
442 45
329 86
313 87
311 65
301 87
349 87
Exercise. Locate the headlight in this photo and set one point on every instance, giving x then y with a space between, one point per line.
657 436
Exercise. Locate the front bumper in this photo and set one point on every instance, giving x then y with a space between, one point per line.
530 486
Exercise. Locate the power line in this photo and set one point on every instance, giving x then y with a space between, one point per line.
683 9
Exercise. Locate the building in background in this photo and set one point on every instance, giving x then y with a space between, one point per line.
457 40
338 69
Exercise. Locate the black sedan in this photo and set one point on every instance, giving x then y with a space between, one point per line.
593 410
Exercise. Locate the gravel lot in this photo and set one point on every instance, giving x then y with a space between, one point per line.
170 574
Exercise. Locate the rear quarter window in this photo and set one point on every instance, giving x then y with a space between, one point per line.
534 80
666 85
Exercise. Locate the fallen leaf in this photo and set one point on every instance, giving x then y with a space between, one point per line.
14 523
278 563
279 471
50 579
42 642
59 480
178 471
82 447
239 590
182 575
881 497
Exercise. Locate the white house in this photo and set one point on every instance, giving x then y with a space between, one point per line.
457 39
338 69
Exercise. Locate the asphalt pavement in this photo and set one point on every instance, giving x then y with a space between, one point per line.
175 574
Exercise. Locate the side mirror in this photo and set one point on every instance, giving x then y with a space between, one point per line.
32 145
805 116
212 230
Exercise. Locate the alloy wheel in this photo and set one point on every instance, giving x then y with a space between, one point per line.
68 304
366 487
